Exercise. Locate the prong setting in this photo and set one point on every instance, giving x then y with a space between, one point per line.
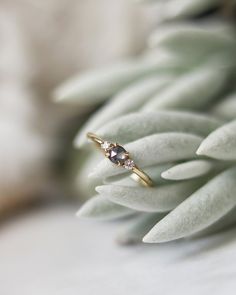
117 155
129 164
106 145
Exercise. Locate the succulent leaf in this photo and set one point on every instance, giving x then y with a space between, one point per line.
201 209
95 86
129 100
99 207
137 125
188 170
192 91
202 40
221 143
158 199
226 108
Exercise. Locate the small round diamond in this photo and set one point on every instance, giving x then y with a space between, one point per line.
105 145
129 164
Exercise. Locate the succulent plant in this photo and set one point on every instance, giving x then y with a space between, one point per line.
174 109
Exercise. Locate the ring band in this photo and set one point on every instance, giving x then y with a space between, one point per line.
120 157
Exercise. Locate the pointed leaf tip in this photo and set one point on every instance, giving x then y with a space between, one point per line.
99 207
187 170
200 210
221 143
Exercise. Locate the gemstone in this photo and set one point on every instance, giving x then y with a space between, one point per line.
129 164
105 145
118 155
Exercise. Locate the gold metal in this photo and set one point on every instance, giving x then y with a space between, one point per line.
137 174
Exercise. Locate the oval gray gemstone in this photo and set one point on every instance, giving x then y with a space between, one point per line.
117 155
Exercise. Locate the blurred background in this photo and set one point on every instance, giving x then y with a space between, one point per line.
42 44
44 249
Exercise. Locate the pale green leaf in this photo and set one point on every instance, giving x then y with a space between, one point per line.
99 207
188 170
223 223
157 199
84 184
226 108
201 40
221 143
194 90
134 126
128 100
95 86
200 210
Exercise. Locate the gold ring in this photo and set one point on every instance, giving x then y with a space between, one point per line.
120 157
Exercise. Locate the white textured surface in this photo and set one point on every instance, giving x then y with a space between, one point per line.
52 252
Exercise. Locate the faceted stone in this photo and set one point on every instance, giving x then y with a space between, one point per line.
117 155
105 145
129 164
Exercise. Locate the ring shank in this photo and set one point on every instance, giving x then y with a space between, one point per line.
141 177
96 139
